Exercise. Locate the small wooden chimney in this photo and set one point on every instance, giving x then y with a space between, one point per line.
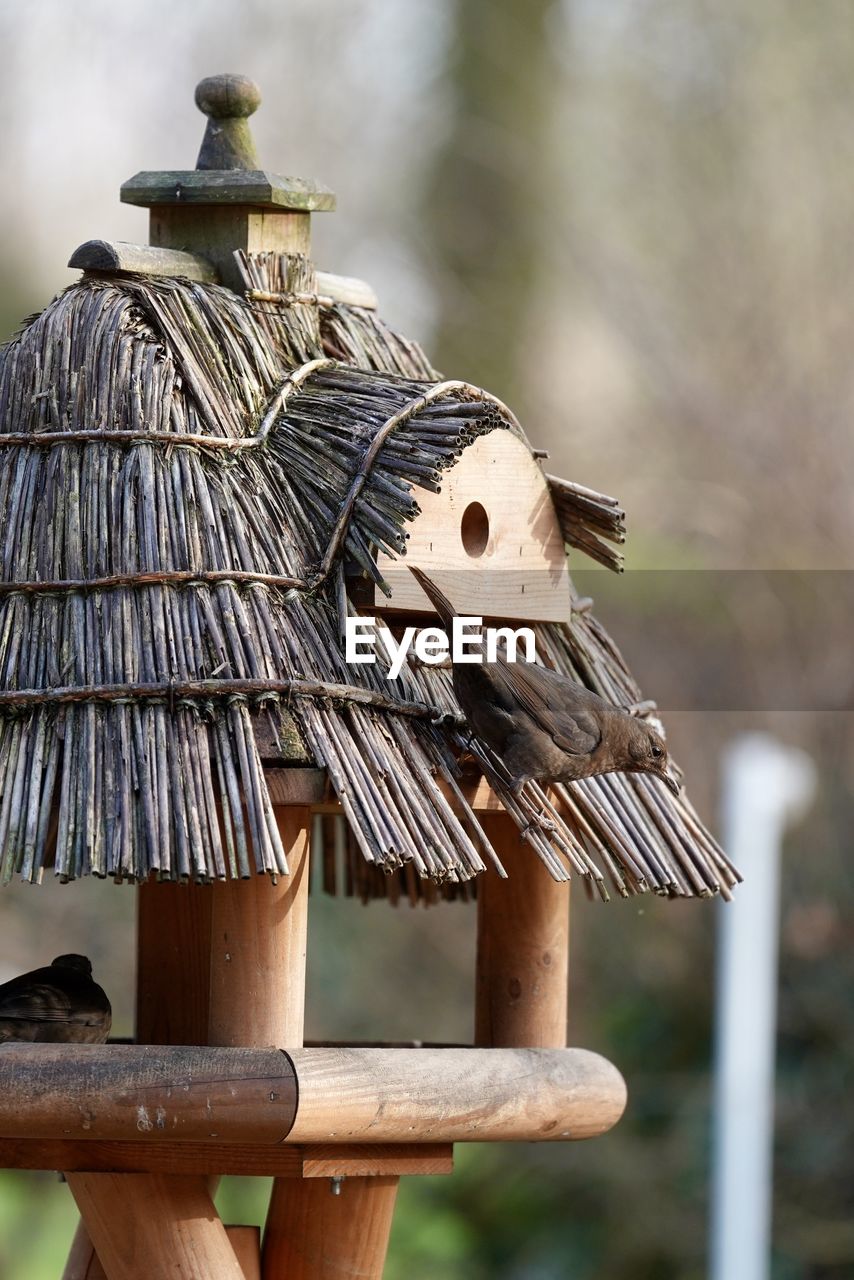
228 202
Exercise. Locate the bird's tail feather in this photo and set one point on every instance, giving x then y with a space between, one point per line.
440 602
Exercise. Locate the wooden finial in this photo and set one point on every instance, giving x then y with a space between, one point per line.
228 101
227 172
227 202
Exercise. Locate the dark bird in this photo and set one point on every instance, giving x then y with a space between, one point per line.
60 1003
543 725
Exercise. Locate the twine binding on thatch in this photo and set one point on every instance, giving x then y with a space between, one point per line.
290 299
293 382
214 575
290 383
209 689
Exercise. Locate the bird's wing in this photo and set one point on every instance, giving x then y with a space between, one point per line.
556 705
438 599
43 1002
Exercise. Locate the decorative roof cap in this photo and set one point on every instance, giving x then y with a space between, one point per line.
227 169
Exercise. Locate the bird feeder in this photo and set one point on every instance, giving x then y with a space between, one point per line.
213 455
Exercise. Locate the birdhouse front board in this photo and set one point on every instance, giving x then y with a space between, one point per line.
490 539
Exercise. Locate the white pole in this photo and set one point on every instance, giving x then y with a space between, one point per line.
765 786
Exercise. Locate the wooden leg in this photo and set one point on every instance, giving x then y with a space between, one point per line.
150 1227
246 1243
172 985
317 1235
522 940
309 1232
216 965
83 1263
257 950
173 963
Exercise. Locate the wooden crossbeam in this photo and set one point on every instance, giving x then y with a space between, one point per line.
287 1161
267 1097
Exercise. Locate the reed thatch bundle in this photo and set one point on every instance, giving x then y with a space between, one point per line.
188 479
589 521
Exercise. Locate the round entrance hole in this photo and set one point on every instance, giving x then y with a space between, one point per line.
474 529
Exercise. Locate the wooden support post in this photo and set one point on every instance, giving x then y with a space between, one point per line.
173 952
83 1262
330 1229
258 948
258 943
221 964
298 1216
158 1227
246 1243
172 982
257 952
522 947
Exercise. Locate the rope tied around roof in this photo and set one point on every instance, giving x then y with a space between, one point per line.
291 299
307 581
189 692
97 435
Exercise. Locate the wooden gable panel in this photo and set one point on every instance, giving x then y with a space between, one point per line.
490 539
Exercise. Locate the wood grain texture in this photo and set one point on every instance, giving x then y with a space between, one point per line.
152 260
521 574
216 234
137 1092
454 1095
522 947
83 1262
346 1095
323 1236
296 786
331 1160
141 259
173 963
164 1157
290 1197
172 995
246 1243
258 949
256 188
286 1161
146 1225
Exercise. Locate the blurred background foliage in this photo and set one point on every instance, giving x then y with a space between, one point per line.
633 221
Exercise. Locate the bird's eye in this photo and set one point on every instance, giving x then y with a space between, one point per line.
657 752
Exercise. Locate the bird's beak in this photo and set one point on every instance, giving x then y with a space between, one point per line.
671 783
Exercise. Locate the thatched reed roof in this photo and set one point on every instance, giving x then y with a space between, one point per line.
189 480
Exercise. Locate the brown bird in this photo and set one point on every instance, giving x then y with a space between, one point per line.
543 725
60 1003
